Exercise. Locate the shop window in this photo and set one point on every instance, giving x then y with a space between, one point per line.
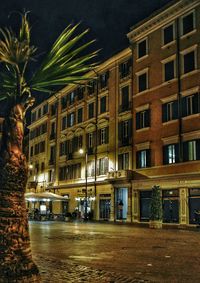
170 111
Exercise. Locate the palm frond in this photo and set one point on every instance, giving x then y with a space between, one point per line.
64 64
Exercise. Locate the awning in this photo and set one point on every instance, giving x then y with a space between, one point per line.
45 196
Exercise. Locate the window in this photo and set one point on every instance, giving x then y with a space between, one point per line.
188 23
71 97
91 168
104 80
170 154
70 172
62 148
33 117
123 161
42 166
191 150
45 109
124 69
63 102
80 115
91 110
90 139
71 119
142 48
125 103
143 158
169 71
190 105
168 34
53 109
102 166
64 123
53 130
189 62
103 136
52 154
103 104
91 87
125 132
80 92
143 119
142 82
31 151
170 111
77 143
39 113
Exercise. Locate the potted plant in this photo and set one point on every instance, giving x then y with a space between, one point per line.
156 208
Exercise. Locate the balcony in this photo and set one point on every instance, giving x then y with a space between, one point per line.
120 175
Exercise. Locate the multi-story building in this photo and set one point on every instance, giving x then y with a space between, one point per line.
97 118
138 124
166 61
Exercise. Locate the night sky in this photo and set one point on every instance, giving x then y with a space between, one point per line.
108 20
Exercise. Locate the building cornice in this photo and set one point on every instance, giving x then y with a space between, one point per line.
153 23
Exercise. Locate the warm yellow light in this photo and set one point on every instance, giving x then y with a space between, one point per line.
81 151
30 166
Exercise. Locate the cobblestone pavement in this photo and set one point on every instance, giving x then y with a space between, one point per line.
59 271
105 253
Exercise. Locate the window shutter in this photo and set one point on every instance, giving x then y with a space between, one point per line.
147 118
107 134
175 109
138 159
177 157
120 162
164 113
184 107
120 132
148 156
98 161
137 120
198 149
185 151
195 103
106 165
165 155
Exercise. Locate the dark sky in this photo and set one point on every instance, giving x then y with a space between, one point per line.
109 20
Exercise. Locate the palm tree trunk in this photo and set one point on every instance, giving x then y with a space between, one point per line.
16 264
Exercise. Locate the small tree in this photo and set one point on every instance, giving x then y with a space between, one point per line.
156 204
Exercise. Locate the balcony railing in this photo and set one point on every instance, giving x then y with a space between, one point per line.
120 174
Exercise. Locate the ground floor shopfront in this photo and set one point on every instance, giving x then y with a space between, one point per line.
129 201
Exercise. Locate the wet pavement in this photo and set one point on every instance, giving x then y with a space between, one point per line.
94 252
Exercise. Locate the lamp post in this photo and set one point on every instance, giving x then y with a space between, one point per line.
86 175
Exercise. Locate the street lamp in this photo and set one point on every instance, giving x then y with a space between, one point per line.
81 151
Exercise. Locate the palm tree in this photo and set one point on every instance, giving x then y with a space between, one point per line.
63 65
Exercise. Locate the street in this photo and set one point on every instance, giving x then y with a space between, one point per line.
94 252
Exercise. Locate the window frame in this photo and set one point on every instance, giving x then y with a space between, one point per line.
147 49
